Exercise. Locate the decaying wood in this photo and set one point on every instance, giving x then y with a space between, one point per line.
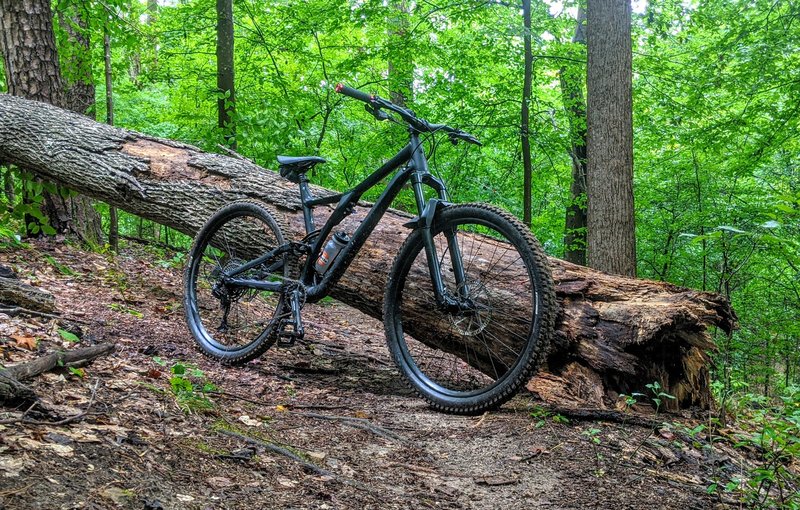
12 390
614 335
15 292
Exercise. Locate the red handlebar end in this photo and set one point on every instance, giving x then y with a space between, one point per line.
339 87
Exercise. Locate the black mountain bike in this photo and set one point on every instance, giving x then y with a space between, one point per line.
468 307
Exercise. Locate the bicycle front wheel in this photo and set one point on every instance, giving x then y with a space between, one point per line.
475 352
234 324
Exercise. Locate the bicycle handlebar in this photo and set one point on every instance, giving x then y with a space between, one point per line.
341 88
421 125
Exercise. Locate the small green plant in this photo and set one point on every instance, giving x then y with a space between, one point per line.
593 435
118 307
774 432
63 269
542 415
657 396
190 386
9 236
77 372
177 260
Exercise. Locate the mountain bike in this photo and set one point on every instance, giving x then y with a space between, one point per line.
468 307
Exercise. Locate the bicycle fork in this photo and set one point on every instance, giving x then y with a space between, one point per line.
425 221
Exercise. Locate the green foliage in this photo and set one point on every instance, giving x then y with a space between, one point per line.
189 386
772 431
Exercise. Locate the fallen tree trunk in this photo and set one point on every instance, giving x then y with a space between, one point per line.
12 391
614 334
15 292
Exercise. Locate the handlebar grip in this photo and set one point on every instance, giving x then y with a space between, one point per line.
341 88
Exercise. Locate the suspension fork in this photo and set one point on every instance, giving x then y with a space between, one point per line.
425 220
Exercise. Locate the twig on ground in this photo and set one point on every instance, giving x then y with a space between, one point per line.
74 418
65 421
280 451
606 415
13 311
19 418
359 423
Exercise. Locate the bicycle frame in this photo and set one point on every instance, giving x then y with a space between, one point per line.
413 167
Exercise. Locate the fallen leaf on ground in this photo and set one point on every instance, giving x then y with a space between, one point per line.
219 482
26 342
250 422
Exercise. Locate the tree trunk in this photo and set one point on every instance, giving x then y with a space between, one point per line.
611 234
400 63
572 94
76 59
32 71
226 104
527 169
614 335
113 221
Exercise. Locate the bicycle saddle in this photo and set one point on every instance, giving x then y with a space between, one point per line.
291 167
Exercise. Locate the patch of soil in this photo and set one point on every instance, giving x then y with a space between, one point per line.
336 401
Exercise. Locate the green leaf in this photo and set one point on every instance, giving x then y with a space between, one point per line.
69 337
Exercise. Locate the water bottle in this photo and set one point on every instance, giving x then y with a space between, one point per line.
331 250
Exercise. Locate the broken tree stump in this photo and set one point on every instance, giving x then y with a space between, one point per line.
614 334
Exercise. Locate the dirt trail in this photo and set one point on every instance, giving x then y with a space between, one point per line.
336 401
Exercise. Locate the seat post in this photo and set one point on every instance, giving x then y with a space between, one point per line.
305 196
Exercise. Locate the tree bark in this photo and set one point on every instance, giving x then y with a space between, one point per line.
400 63
76 58
611 228
614 335
14 292
113 220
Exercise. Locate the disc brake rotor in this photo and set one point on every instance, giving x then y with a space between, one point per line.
473 320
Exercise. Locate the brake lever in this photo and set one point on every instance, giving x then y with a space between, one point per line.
459 136
377 112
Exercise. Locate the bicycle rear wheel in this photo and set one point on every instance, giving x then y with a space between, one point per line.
473 357
234 324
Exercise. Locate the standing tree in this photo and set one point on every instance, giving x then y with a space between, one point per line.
113 227
572 94
32 71
226 103
611 228
527 170
401 65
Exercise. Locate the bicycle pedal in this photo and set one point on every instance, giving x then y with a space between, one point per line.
286 341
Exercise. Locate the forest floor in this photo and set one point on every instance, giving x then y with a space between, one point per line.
145 440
